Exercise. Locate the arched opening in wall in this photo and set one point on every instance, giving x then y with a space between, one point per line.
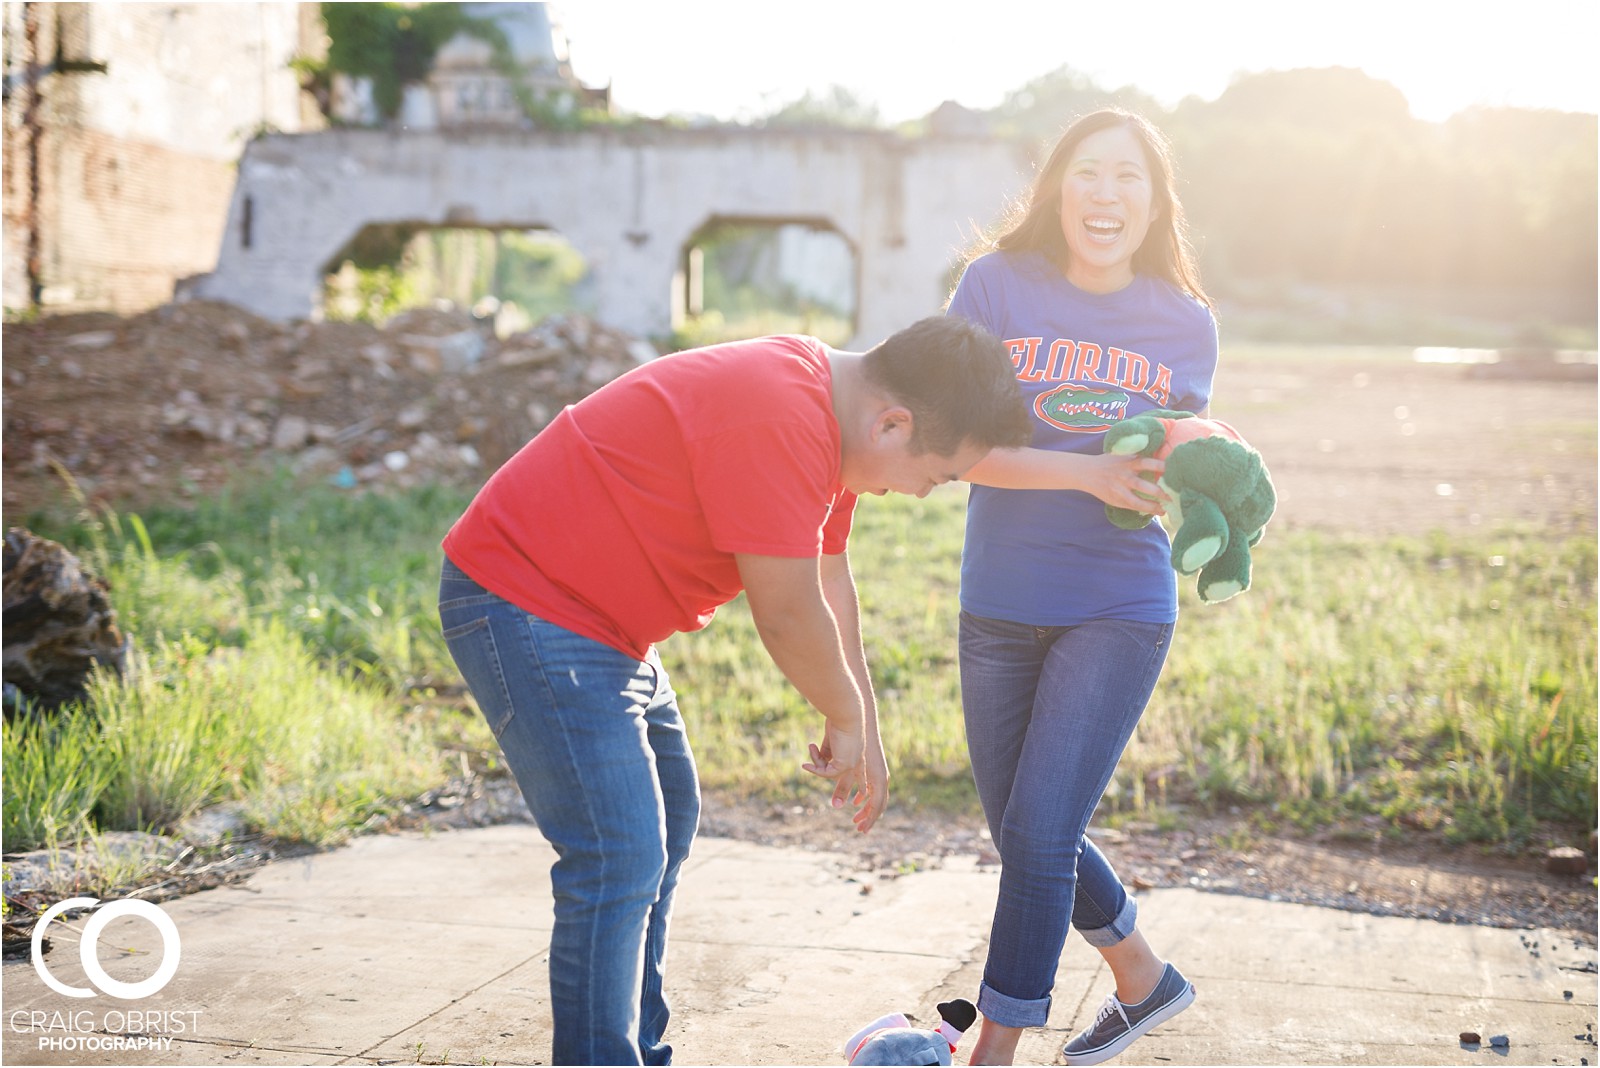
514 275
743 277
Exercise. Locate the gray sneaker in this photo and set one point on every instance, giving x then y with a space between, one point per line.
1116 1025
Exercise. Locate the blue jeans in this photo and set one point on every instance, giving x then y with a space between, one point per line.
598 747
1048 713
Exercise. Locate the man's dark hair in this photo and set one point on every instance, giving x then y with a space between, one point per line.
957 381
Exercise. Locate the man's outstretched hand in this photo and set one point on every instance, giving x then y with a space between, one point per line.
863 783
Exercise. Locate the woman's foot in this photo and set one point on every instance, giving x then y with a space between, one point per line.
1117 1024
997 1044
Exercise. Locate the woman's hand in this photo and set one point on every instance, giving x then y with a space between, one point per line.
1119 481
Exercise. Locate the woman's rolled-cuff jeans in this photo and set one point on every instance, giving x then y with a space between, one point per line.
1048 713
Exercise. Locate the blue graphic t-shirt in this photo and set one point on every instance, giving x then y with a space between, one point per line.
1084 361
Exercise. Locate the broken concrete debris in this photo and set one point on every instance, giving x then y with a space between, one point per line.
167 405
59 624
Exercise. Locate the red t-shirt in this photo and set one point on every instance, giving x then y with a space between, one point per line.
620 520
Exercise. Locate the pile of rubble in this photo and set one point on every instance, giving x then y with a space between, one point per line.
59 624
169 404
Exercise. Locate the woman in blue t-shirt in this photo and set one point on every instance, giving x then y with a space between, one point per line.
1066 619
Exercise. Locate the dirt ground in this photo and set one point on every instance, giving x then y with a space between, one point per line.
1379 442
169 405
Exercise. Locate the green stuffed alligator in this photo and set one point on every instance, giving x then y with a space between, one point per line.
1222 495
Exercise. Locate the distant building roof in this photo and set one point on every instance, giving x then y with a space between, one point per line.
534 39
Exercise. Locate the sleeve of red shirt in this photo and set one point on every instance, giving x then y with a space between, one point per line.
836 532
766 488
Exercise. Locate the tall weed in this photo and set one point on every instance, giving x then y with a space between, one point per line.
278 635
54 773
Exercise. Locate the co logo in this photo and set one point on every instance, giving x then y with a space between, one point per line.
89 949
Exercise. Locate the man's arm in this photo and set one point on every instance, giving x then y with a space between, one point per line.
803 638
839 587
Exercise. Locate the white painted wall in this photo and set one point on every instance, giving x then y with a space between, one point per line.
198 78
628 199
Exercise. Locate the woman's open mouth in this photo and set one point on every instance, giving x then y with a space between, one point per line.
1103 229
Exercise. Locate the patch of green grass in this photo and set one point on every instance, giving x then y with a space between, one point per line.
356 575
750 728
713 326
288 657
310 752
54 773
1437 684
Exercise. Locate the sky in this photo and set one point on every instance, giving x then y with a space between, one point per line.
738 59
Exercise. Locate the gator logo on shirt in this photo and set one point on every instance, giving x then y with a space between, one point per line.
1084 362
1082 409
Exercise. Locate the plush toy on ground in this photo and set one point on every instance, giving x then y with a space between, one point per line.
1222 495
892 1040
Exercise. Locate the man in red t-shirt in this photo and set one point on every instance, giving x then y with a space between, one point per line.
636 514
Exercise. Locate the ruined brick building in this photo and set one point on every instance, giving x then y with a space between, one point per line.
123 126
155 150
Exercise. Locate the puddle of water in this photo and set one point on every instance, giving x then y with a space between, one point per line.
1441 354
1436 354
1577 356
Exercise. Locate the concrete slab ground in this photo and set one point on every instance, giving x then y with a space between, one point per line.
430 949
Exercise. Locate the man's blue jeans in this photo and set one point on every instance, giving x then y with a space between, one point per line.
1048 713
598 747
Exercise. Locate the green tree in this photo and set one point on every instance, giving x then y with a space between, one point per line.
1524 183
394 44
1044 106
835 106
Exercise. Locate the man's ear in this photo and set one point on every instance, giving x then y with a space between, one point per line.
891 424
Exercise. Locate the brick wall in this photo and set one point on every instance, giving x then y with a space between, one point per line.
136 163
129 219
